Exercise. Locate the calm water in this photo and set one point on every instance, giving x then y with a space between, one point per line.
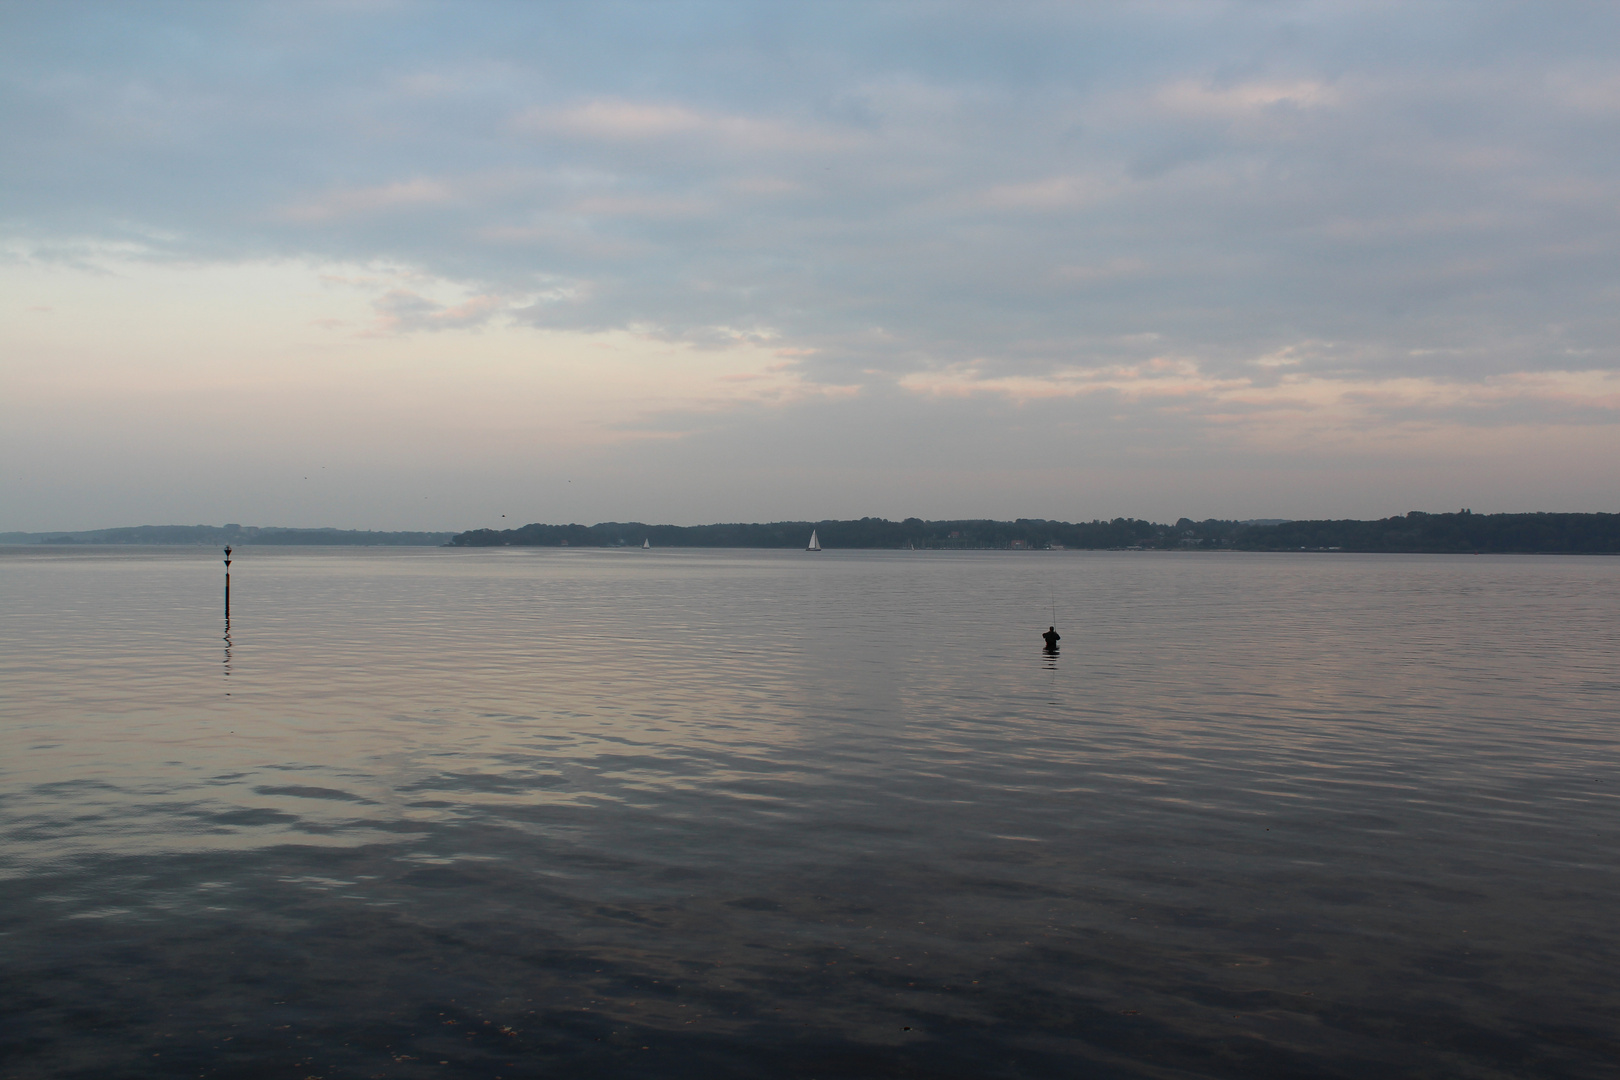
502 813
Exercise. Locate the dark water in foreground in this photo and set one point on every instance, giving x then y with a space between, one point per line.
712 814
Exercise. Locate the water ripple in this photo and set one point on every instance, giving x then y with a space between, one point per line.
761 813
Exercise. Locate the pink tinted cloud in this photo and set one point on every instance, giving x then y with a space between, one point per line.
358 202
610 120
402 311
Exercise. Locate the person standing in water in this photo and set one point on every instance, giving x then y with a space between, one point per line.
1052 638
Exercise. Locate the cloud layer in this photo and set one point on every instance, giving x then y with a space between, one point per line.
1231 228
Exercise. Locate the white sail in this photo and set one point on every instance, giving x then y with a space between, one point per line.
814 545
647 543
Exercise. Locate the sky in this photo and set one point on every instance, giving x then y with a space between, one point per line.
404 265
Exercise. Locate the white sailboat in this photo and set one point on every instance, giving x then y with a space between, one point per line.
814 545
647 543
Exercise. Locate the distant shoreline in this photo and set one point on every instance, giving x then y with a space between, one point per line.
1463 532
229 534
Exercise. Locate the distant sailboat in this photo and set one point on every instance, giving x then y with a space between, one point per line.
814 545
647 543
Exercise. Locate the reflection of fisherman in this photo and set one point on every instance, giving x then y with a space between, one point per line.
1052 638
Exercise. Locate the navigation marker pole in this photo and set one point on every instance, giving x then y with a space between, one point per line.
227 581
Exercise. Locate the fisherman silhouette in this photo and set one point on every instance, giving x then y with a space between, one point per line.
1052 638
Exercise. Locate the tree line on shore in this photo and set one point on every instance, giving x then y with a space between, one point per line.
1463 531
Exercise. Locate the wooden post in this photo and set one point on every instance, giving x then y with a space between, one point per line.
227 581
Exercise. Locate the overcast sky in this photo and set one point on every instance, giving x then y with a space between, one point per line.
409 265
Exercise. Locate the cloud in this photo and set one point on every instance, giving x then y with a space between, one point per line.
641 206
401 311
401 195
1247 213
1053 193
1302 404
618 121
1597 93
1194 98
1113 270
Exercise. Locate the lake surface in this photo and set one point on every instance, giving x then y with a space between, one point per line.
508 812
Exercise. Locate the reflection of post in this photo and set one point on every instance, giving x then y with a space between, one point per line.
227 581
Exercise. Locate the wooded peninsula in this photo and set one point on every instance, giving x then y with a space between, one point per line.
1460 532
